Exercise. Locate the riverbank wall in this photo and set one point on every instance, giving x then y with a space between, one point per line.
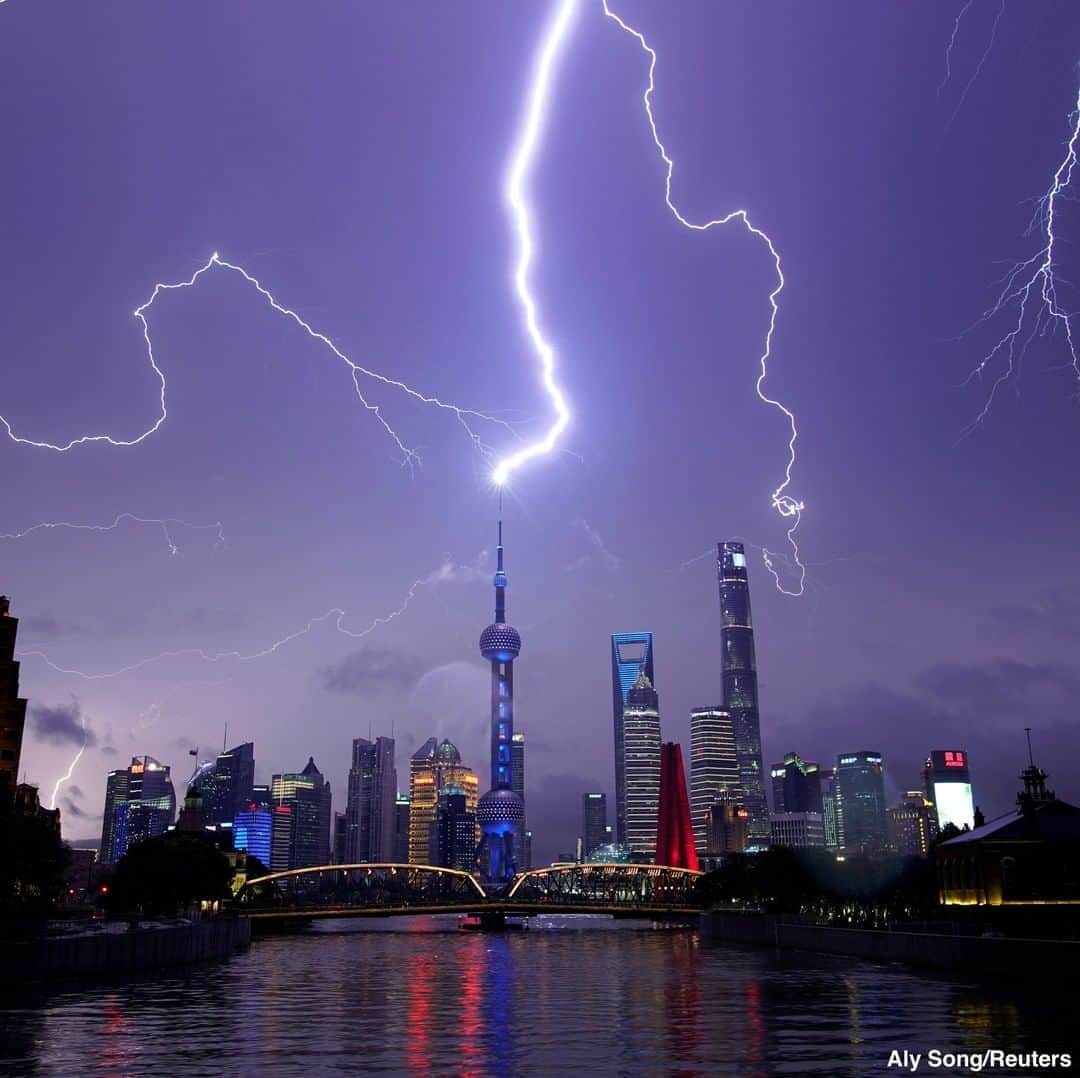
106 953
966 954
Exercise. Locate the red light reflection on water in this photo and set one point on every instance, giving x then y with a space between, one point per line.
755 1025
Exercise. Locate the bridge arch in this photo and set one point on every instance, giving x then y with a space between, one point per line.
608 886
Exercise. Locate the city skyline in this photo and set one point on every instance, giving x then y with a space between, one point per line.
295 500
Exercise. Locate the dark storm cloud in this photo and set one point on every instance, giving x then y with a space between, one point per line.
46 625
61 725
556 799
980 708
72 809
372 668
1051 614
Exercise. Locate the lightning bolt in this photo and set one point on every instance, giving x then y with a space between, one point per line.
982 59
74 763
787 506
952 41
521 163
445 572
357 371
1033 282
163 523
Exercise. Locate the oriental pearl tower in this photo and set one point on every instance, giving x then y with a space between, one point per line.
500 812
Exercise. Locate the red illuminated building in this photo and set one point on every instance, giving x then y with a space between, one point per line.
674 832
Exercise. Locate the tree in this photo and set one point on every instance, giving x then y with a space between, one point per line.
32 863
168 873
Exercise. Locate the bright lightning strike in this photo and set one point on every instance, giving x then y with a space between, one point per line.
1032 285
74 763
787 506
521 163
952 41
982 59
409 456
167 524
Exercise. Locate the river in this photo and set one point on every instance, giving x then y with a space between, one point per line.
419 996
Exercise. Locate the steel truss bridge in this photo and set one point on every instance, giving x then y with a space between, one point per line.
385 890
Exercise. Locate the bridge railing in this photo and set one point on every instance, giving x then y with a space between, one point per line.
651 886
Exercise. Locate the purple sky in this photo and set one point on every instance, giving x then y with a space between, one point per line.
352 157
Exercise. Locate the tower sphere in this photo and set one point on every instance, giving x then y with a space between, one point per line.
500 642
497 807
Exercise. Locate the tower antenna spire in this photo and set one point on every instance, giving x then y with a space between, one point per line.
1031 759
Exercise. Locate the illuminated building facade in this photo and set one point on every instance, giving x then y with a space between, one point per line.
796 785
435 768
911 825
252 832
226 785
860 801
739 666
630 654
308 797
729 825
453 834
799 830
12 706
500 812
827 778
641 767
140 803
714 769
401 830
370 815
594 828
675 845
947 786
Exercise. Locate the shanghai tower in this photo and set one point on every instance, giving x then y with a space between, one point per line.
500 812
740 684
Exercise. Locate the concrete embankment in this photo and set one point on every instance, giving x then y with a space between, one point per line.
965 954
106 953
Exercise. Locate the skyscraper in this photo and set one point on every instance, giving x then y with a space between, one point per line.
500 812
226 785
947 784
674 833
306 794
517 765
401 830
714 770
140 803
252 831
911 825
630 654
641 767
860 801
453 834
369 813
828 807
727 827
740 683
593 823
435 769
796 785
12 706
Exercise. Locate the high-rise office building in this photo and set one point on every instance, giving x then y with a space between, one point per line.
369 813
140 803
800 830
728 827
739 665
714 769
911 825
12 706
796 785
307 795
337 844
401 830
281 836
252 831
453 834
947 785
226 785
860 801
641 767
500 812
435 768
594 829
675 845
828 807
630 654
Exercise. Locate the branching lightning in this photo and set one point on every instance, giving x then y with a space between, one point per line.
165 523
787 506
445 572
982 59
409 456
1033 284
521 162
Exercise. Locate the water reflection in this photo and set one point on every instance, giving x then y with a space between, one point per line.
421 997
